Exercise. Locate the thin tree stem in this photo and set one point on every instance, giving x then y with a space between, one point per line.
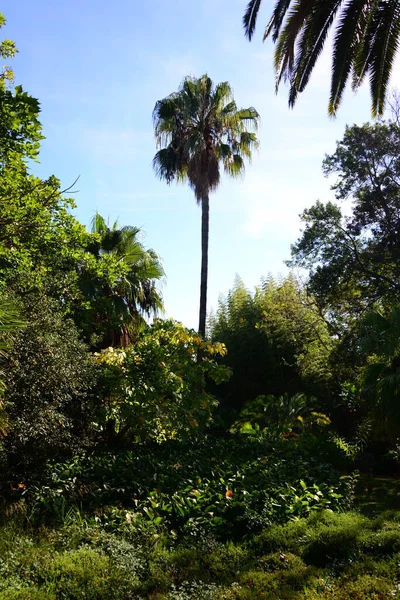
205 218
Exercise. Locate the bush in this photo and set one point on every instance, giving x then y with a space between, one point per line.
222 486
83 573
154 390
47 400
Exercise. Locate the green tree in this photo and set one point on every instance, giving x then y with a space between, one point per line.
137 292
365 43
380 342
277 341
155 388
20 129
198 129
48 399
10 323
353 259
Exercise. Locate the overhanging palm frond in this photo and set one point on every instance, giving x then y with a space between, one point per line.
277 18
386 27
311 42
366 42
348 37
250 17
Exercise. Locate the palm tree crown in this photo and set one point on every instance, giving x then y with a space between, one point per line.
198 129
137 293
365 43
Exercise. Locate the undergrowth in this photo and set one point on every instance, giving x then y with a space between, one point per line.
326 556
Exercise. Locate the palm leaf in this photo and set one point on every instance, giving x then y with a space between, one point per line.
383 51
311 44
275 24
348 36
285 49
250 17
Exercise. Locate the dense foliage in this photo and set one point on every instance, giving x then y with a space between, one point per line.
142 459
47 401
155 390
278 342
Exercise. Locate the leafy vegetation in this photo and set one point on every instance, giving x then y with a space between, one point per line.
329 556
141 459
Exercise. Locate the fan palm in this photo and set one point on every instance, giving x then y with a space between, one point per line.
198 129
137 294
365 43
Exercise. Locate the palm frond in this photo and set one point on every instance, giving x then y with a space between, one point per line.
384 48
165 110
310 45
165 164
250 116
348 36
234 165
275 23
221 96
250 17
285 49
229 108
98 224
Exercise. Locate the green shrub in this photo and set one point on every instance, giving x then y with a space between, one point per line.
48 403
380 543
27 593
365 587
154 390
225 486
83 573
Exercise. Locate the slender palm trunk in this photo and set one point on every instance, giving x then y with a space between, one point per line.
205 218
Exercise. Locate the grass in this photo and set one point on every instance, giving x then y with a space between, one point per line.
327 556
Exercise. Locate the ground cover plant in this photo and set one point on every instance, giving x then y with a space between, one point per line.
326 556
227 486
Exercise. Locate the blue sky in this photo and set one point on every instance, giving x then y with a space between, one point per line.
98 67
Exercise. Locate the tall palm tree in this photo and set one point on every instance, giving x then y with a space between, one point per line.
198 129
137 294
366 40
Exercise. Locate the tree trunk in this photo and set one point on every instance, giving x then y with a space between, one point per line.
205 218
